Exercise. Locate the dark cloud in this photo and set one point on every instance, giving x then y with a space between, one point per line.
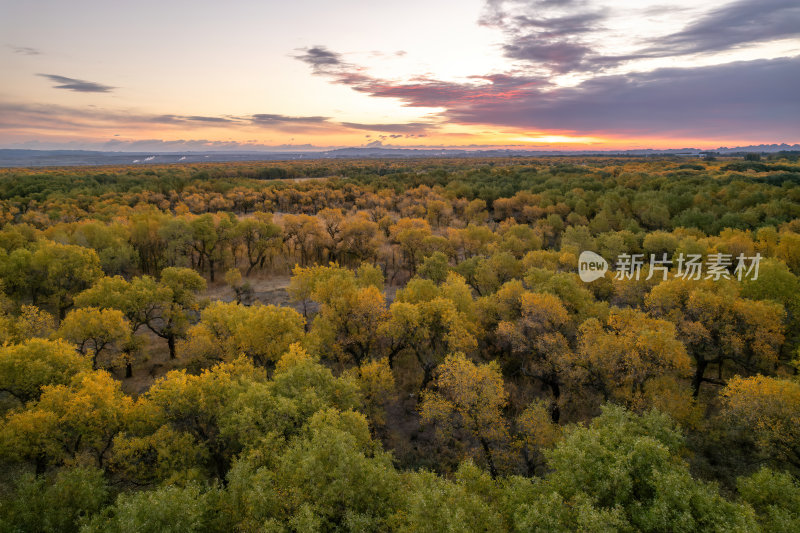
271 119
55 117
559 56
733 25
736 99
429 92
81 86
159 145
562 36
198 118
561 26
741 98
181 119
25 50
410 127
319 57
327 63
539 32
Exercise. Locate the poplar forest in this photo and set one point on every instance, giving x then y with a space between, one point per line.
399 345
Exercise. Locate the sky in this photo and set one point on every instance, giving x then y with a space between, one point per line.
309 74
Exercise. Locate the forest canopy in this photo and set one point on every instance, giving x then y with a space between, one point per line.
381 345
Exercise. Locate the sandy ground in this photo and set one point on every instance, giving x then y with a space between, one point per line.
154 360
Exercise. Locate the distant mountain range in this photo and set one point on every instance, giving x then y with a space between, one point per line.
45 158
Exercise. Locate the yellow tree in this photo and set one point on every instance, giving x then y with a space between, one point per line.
165 307
766 410
718 327
619 358
536 432
410 233
95 331
332 222
226 330
31 322
360 238
538 342
258 236
180 301
302 232
469 398
79 419
376 381
424 321
210 235
50 273
347 326
28 367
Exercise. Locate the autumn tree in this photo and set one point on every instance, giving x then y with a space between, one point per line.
165 307
78 419
428 323
470 398
766 410
719 327
31 322
621 358
259 237
332 222
409 234
776 283
377 384
538 341
227 330
535 432
36 363
95 331
148 239
301 233
360 239
352 308
210 235
50 273
242 289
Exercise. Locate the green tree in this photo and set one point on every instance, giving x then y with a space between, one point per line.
775 496
628 470
50 273
56 504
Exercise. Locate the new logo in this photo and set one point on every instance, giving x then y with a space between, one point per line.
591 266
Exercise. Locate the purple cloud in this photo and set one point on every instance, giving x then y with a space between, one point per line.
80 86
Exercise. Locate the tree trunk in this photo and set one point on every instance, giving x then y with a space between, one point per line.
699 373
488 453
171 345
555 413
